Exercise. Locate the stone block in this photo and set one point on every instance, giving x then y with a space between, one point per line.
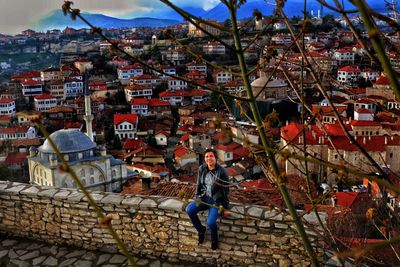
114 199
132 201
148 203
74 197
30 191
16 189
281 226
255 212
48 193
171 204
249 230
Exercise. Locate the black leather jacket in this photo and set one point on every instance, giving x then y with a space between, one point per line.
219 190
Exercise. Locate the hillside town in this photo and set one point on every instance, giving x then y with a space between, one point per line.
131 128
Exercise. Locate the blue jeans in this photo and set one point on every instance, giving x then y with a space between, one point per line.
192 209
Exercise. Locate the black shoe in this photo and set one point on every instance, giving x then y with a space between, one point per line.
214 245
202 236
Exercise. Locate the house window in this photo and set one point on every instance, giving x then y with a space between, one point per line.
336 156
91 180
391 155
91 171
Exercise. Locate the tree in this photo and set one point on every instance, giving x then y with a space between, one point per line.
268 153
117 144
5 173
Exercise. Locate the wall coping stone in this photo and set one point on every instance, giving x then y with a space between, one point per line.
115 199
30 191
97 197
142 201
171 204
148 203
62 194
15 188
132 201
75 197
48 192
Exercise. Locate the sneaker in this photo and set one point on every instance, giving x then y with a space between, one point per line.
214 245
202 236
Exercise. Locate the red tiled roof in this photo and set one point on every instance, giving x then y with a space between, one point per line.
44 96
174 93
145 77
120 118
165 133
30 82
349 69
346 199
61 109
145 148
137 87
365 123
140 101
15 158
130 143
6 118
154 102
184 137
382 80
12 130
180 151
6 100
363 111
131 67
229 147
258 184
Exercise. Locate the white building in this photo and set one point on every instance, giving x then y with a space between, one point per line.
45 102
95 169
214 48
175 84
344 56
31 87
197 66
125 73
125 125
136 90
22 132
7 106
348 74
73 88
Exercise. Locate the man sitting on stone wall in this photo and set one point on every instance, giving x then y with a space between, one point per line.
212 190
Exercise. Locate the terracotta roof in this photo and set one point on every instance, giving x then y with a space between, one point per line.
140 101
349 69
363 111
120 118
61 109
137 87
154 102
30 82
12 130
184 137
131 67
44 96
6 118
26 142
180 151
346 199
130 143
365 123
16 158
6 100
165 133
382 80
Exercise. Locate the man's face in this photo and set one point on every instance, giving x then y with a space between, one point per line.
210 160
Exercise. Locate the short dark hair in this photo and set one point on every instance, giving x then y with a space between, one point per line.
210 150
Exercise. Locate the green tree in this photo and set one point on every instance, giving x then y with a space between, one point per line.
117 144
5 173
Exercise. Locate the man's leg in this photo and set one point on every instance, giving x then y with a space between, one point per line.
192 209
213 215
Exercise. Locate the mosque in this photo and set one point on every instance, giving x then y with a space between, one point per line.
95 169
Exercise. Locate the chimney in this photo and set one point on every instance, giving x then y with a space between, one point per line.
301 139
364 140
391 138
385 140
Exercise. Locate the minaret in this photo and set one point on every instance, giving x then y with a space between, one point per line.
88 109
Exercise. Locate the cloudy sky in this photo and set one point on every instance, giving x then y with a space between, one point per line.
18 15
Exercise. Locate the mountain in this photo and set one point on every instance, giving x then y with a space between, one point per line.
167 13
57 20
292 8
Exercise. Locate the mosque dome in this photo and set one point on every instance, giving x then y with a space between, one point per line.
68 141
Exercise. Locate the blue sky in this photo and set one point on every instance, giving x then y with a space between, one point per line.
18 15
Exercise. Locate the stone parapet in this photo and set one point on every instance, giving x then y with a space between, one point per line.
151 225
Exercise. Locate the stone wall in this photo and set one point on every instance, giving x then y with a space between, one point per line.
154 226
